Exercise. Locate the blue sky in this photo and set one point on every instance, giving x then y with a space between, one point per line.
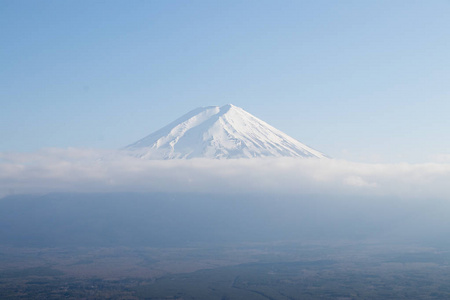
358 80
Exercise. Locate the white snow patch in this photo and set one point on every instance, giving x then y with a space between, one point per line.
219 132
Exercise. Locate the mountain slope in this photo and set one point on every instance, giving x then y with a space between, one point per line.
219 132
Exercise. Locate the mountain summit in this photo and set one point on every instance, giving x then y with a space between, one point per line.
219 132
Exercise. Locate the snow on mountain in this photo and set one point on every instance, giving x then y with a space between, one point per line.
219 132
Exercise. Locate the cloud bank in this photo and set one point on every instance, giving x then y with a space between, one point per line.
87 170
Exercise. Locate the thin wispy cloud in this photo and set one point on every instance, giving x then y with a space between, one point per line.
88 170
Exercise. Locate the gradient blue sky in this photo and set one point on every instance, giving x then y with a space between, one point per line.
359 80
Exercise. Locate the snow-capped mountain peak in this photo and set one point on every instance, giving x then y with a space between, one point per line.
219 132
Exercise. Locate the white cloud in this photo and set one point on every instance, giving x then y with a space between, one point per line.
441 158
84 170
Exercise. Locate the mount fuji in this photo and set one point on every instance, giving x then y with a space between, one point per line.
221 133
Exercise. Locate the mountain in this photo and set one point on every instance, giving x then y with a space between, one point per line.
219 132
